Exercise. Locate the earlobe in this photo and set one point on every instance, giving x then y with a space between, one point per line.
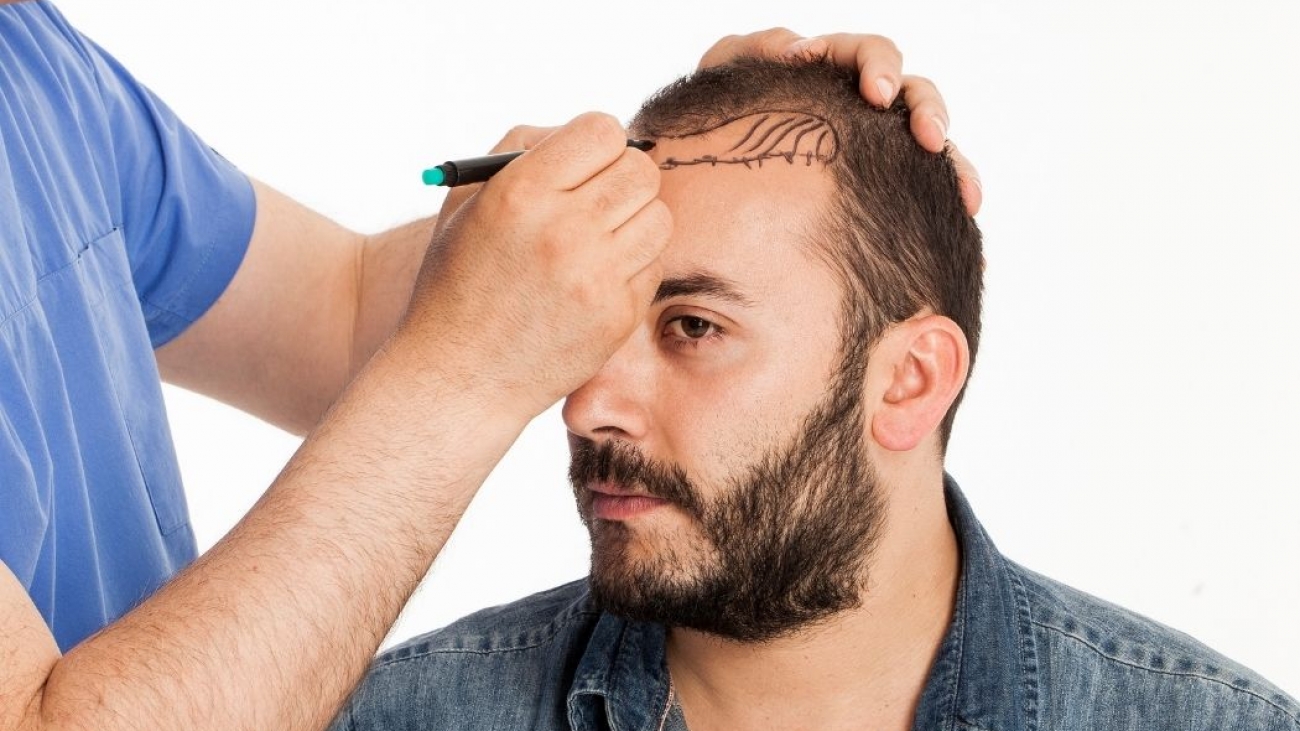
926 361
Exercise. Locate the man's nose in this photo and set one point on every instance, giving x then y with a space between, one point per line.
614 403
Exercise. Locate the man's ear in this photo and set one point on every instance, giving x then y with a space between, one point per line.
922 364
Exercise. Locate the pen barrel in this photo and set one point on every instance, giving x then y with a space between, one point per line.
476 169
479 169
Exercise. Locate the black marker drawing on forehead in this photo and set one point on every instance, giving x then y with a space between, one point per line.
791 136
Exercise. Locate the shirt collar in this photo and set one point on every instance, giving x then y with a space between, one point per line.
621 682
985 674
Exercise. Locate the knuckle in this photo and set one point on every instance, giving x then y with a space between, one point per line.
725 42
922 82
607 197
625 180
660 214
628 181
645 172
510 201
720 50
888 46
774 39
599 124
878 45
514 138
921 94
600 133
658 224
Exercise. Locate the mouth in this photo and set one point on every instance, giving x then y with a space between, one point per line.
610 501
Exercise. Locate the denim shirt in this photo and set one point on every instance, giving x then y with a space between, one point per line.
1023 653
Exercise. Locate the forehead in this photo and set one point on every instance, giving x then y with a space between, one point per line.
747 194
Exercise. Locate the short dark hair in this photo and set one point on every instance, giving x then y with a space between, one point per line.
898 236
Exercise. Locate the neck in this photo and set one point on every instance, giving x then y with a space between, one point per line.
865 667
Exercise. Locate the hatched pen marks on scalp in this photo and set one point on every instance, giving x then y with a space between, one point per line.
787 135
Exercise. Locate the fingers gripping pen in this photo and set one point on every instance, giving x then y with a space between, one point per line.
479 169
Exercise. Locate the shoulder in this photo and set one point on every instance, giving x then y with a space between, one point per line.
529 623
455 677
1134 671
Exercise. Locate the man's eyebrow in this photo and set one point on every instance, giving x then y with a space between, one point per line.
701 284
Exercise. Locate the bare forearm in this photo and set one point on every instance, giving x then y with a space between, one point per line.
310 303
273 627
387 267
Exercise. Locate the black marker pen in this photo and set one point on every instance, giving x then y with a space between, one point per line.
479 169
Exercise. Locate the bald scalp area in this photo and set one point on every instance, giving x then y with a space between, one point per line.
769 136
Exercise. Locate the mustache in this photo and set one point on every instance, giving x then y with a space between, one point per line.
624 464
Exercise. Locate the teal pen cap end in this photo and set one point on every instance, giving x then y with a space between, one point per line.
434 176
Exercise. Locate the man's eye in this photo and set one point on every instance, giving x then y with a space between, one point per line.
691 328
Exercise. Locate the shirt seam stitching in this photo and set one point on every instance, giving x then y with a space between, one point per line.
953 711
88 244
968 725
425 652
181 296
1028 649
1171 673
166 310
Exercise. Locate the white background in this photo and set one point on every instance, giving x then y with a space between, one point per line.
1130 428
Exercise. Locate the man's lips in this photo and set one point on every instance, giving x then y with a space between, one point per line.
615 502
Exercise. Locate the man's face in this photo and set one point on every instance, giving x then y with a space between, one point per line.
719 469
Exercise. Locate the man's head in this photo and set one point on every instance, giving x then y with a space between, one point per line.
819 313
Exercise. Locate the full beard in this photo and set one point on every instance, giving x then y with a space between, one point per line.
785 545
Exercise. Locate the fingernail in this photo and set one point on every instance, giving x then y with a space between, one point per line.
943 126
886 88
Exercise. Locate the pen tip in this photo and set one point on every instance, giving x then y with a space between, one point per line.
434 176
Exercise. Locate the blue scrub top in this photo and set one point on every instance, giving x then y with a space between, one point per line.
118 228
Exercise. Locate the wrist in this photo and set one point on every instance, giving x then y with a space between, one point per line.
442 393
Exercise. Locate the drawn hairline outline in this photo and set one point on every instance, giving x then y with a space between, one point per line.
789 122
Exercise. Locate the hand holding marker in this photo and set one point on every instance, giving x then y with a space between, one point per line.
479 169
